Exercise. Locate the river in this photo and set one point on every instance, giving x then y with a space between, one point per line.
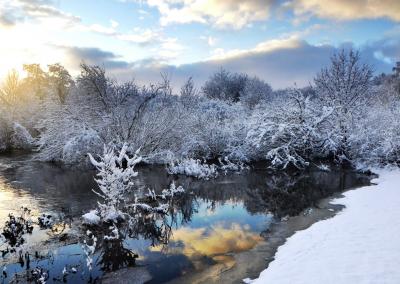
221 230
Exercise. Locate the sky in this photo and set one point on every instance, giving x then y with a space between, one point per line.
282 42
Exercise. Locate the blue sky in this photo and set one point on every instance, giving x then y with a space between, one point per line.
283 42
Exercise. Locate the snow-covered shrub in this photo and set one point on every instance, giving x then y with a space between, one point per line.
76 149
21 138
376 138
89 247
255 92
324 167
14 136
91 218
5 133
60 124
227 165
115 174
194 168
157 126
292 133
216 129
226 86
171 191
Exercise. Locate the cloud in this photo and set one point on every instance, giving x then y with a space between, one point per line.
384 52
143 37
93 56
347 10
12 12
138 36
7 19
221 14
263 47
279 63
282 62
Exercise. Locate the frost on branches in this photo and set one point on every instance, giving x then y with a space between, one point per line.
116 172
345 116
194 168
293 133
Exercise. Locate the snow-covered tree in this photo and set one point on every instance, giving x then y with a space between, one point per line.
292 133
255 92
226 86
345 86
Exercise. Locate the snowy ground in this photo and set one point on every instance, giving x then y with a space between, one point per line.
359 245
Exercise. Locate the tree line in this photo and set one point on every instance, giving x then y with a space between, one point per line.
347 115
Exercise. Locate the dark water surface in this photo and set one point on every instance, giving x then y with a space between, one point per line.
206 227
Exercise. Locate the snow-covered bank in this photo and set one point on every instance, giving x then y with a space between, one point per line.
359 245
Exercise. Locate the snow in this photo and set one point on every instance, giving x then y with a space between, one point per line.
89 249
195 168
91 218
323 167
113 180
359 245
21 138
77 147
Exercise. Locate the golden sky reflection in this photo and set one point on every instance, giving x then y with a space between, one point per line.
212 242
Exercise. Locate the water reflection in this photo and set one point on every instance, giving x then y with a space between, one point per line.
210 242
203 228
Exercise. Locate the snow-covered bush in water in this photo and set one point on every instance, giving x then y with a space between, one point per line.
227 165
89 247
14 136
115 180
324 167
21 138
76 149
115 174
291 133
194 168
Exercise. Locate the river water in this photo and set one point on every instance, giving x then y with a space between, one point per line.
201 238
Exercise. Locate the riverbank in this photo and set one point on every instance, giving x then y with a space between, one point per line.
359 245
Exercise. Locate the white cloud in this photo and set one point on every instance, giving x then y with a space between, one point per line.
168 50
347 10
280 62
266 46
146 36
42 11
138 35
221 14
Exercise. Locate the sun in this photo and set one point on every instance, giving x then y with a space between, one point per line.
26 44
